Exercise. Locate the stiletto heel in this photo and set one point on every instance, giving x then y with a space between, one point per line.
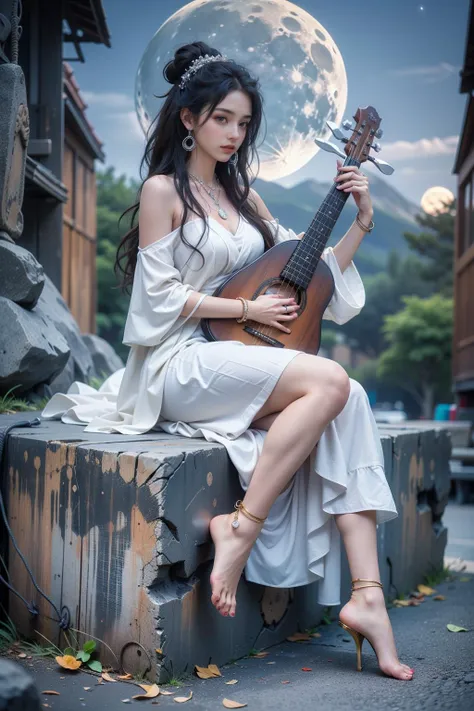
358 637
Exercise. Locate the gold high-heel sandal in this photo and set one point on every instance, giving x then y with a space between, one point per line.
358 637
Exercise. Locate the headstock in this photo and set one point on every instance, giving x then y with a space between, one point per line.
358 146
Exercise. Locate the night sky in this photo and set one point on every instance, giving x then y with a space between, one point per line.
402 57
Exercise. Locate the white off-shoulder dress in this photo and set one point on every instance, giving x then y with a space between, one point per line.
178 382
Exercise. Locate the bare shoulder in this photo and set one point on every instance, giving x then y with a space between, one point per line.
157 204
259 205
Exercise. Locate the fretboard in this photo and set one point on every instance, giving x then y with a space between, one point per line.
302 264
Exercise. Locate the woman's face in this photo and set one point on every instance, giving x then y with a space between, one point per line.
225 130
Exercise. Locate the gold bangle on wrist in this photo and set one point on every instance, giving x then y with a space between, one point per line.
245 310
363 227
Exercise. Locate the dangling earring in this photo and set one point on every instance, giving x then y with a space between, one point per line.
234 159
189 143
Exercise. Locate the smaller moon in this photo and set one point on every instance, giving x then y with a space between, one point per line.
434 200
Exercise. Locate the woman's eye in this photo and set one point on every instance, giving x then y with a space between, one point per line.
218 118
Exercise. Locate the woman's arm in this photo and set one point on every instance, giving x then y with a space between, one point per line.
348 245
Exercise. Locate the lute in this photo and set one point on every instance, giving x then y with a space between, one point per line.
294 268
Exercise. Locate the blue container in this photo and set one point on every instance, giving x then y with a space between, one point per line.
442 411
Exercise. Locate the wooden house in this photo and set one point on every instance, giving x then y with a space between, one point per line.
60 195
463 341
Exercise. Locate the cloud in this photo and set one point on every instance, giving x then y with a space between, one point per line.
108 100
423 148
430 74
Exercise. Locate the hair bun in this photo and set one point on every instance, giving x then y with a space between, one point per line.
182 59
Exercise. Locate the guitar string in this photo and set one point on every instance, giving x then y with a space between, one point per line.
288 289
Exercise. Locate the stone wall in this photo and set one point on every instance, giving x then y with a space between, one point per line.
116 528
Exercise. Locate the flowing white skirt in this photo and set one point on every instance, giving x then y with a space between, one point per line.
214 391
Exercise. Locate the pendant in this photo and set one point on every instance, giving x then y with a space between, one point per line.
235 524
222 213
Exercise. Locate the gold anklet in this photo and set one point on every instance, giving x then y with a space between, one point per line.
372 584
240 507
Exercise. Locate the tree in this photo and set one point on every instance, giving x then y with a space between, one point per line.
436 248
114 195
384 292
419 354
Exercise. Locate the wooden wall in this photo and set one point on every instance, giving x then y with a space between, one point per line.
463 360
79 283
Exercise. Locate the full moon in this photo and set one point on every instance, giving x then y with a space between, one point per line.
434 200
300 68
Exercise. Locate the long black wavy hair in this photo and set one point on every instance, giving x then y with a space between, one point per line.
164 153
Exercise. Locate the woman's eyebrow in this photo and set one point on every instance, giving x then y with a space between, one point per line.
228 111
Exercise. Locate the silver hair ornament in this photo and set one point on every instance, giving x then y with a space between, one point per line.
196 64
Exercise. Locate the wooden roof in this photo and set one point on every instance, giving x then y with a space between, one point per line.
87 22
467 72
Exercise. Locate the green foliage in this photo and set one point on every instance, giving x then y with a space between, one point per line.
114 195
419 353
10 404
435 246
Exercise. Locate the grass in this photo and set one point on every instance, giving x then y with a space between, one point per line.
437 576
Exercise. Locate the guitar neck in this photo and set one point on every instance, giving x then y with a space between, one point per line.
302 264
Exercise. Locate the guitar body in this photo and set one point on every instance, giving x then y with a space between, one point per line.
262 277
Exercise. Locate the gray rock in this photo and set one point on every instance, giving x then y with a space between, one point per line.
469 678
31 348
35 345
17 689
21 275
105 359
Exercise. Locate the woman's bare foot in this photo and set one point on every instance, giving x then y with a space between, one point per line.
233 546
366 613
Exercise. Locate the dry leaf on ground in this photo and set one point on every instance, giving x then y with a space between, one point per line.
306 669
68 662
229 704
455 628
51 693
166 693
425 590
232 681
152 690
299 637
260 655
439 597
183 699
87 688
106 677
22 655
412 602
209 672
285 682
125 676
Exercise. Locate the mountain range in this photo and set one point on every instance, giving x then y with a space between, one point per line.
393 215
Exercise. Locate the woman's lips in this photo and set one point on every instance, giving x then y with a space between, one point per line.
228 149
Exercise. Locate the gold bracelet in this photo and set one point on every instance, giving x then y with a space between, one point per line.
364 227
245 310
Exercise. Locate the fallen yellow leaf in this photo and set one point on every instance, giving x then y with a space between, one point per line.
232 681
229 704
183 699
87 688
299 637
159 651
166 693
125 676
402 603
260 655
106 677
209 672
315 634
439 597
425 590
152 690
22 655
69 662
51 693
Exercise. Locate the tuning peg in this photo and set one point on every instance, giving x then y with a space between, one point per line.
379 133
347 125
336 131
384 167
330 147
377 147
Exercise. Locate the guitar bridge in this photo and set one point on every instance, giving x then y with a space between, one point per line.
263 337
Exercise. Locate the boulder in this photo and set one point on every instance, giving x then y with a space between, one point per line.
21 275
105 359
17 689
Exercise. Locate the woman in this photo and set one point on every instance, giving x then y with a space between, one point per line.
198 222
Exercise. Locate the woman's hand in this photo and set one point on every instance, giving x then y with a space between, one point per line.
350 179
270 310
